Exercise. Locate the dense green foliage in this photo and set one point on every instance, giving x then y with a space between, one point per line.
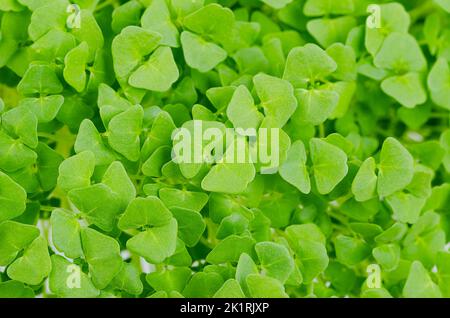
92 205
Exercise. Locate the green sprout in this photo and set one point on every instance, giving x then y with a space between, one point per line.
351 98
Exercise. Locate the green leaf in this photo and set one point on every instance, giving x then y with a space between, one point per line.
445 144
110 103
153 165
424 240
395 168
251 60
439 83
400 52
128 280
200 54
34 265
15 289
315 8
277 98
275 144
12 198
229 177
394 18
21 123
159 135
351 251
128 13
183 8
157 18
444 4
103 256
48 163
89 139
393 234
241 110
14 237
327 31
64 280
346 92
265 287
415 117
294 169
46 17
190 225
158 73
364 185
376 293
443 266
98 204
89 32
203 285
53 45
245 267
14 155
169 280
407 89
45 108
345 58
129 47
275 260
230 289
367 231
315 105
233 224
75 64
155 244
39 79
66 233
124 130
183 199
405 206
117 179
419 283
230 249
387 255
181 257
212 20
76 171
142 212
308 244
329 165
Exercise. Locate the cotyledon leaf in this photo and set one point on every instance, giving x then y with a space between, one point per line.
329 165
12 198
102 253
34 265
155 244
395 168
158 73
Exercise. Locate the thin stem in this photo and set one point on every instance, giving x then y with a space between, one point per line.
440 115
322 131
310 289
47 208
340 228
205 242
105 4
48 136
425 9
338 217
